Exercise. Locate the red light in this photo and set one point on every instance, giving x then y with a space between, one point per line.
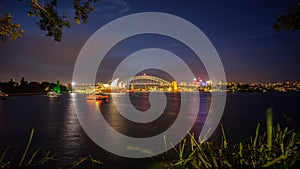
145 74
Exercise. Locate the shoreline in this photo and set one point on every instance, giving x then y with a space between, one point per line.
25 94
228 92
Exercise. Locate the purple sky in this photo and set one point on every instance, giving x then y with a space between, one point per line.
241 31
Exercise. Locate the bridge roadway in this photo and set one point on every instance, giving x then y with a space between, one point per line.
152 81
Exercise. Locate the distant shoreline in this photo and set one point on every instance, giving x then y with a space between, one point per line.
29 94
25 94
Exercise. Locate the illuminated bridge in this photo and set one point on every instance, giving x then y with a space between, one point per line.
144 81
137 83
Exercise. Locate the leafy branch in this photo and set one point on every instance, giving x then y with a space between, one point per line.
50 19
289 21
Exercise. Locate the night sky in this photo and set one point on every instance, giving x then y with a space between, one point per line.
241 32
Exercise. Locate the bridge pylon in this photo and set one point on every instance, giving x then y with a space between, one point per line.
174 86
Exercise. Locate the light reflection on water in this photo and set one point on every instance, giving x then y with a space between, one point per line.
101 132
57 128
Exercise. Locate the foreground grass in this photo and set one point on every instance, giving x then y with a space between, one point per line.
282 151
276 148
38 159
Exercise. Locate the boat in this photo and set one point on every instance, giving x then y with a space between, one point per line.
96 97
3 95
52 94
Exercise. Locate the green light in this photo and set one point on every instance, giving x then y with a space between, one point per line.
57 87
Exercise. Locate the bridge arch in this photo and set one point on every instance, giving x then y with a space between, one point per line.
144 81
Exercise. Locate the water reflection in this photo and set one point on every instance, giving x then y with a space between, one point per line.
111 130
71 126
141 102
58 129
1 114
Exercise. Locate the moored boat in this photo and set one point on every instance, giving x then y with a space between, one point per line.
52 94
3 95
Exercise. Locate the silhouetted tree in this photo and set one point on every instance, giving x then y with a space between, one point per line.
289 21
50 19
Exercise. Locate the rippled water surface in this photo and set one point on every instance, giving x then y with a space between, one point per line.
57 128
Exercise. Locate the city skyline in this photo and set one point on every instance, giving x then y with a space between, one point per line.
241 32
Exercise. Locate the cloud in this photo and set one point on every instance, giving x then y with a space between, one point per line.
111 8
252 34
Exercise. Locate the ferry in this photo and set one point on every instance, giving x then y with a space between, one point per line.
96 97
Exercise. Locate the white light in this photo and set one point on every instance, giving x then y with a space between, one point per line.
73 83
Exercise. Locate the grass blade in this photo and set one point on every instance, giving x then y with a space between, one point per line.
27 148
269 128
4 153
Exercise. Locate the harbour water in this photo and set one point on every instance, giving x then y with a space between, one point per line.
58 130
